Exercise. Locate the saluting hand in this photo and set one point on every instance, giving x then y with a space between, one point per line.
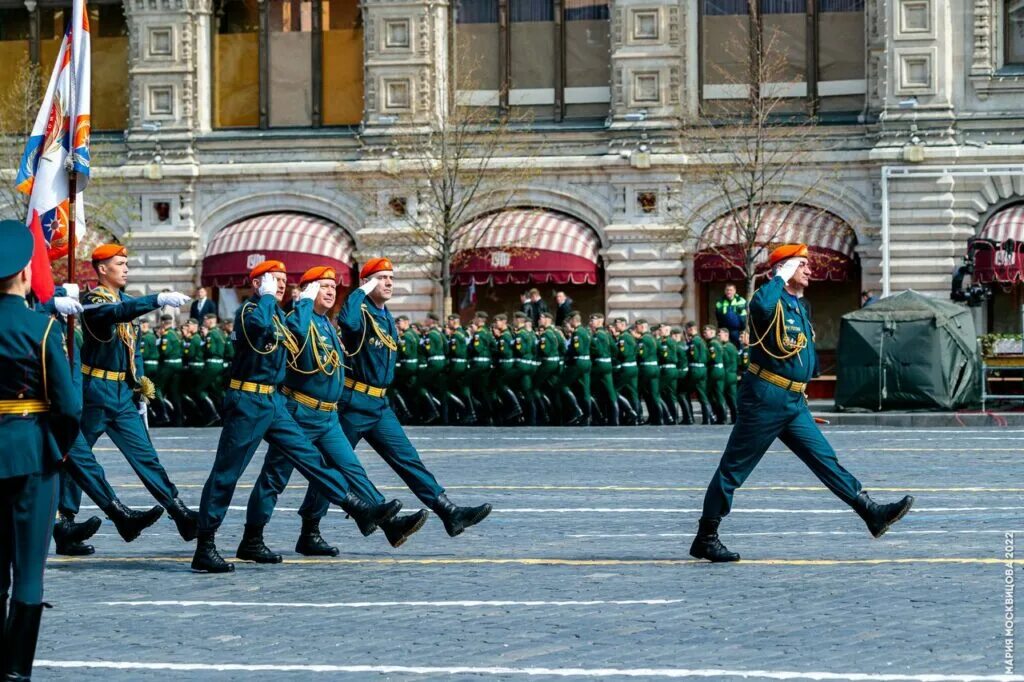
787 269
174 299
310 291
66 305
268 285
370 285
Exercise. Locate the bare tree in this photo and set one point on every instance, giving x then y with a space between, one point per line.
746 147
19 105
464 174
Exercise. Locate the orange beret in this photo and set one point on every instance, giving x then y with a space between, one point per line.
375 265
107 251
787 251
317 273
265 267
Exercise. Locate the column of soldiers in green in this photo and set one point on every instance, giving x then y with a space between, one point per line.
458 368
481 351
433 363
578 365
171 367
772 404
730 366
698 377
650 373
313 384
524 352
40 408
254 410
368 329
551 349
505 377
626 371
668 377
110 388
406 394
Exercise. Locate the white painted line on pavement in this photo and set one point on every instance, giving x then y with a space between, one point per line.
385 604
782 533
550 672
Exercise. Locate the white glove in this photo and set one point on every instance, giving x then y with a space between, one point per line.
71 290
268 285
172 298
66 305
787 269
310 291
370 286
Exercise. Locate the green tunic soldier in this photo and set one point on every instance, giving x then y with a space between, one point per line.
550 376
403 396
524 350
433 363
480 352
216 343
149 350
649 379
505 375
458 367
578 364
171 367
683 375
669 372
730 367
716 374
602 383
40 408
698 379
775 406
206 412
627 376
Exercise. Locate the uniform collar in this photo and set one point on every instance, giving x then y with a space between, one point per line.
12 300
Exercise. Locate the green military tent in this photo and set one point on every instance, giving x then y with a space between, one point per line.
908 352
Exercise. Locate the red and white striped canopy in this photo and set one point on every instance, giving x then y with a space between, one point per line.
831 242
1006 224
527 245
300 241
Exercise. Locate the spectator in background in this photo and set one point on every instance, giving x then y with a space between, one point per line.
731 313
533 306
867 298
202 306
293 297
563 307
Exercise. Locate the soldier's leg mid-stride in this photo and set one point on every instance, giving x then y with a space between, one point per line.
772 405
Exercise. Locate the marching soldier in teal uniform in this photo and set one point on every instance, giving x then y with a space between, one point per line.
578 364
627 378
172 365
215 343
730 366
647 360
602 384
110 382
669 371
716 374
369 332
254 410
524 350
407 369
481 351
313 385
505 374
40 408
772 404
698 379
683 375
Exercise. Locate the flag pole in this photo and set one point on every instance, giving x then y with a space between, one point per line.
73 192
69 165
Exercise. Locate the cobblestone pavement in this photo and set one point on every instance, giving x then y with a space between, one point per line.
581 571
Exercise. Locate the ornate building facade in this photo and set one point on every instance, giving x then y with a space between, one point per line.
213 112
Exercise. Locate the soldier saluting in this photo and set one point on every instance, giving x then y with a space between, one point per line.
39 412
772 404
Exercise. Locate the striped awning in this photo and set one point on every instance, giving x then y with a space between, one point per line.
300 241
524 245
830 240
999 248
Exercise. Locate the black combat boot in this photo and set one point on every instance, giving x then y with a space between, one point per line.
879 517
367 516
185 519
158 411
458 519
129 522
719 411
19 641
686 413
400 528
707 416
311 543
208 412
707 545
207 559
69 537
252 547
731 403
